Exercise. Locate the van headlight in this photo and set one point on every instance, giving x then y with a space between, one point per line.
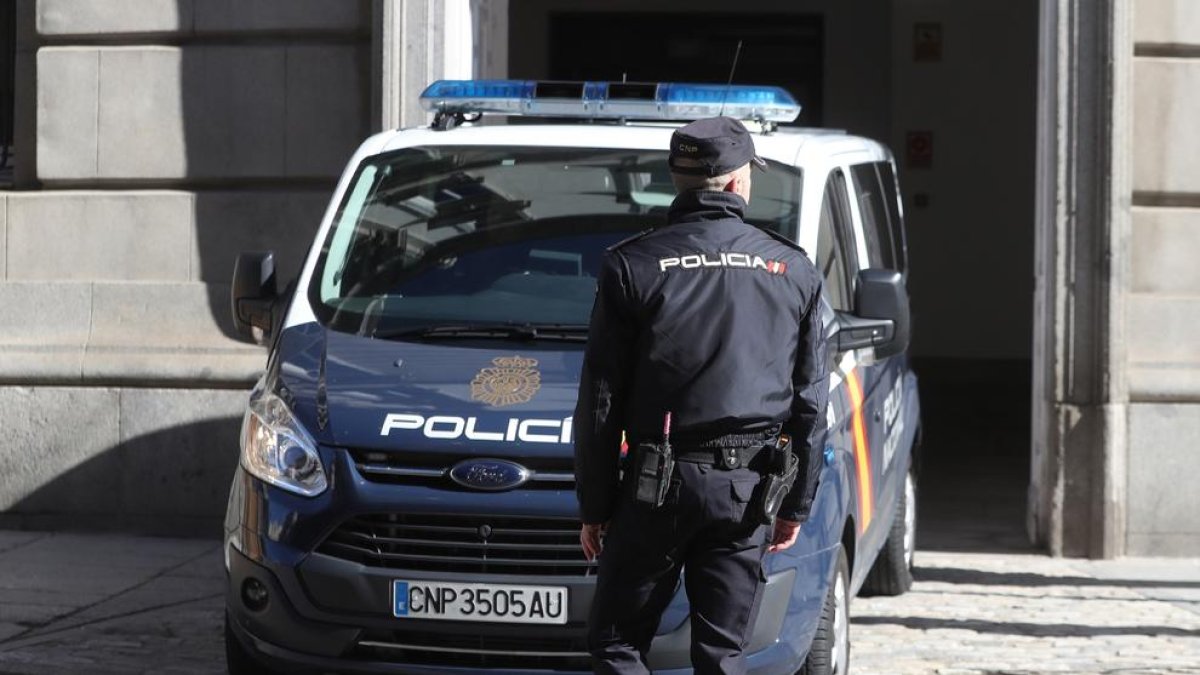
277 449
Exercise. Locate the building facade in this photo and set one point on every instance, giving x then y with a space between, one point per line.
154 140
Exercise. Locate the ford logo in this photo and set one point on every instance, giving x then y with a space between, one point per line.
489 474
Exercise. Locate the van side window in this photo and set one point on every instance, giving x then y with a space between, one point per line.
887 177
831 248
872 203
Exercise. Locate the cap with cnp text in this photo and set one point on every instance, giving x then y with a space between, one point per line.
715 146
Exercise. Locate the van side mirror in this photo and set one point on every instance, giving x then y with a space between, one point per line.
253 295
881 316
880 295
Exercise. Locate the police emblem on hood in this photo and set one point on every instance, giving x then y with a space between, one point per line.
510 380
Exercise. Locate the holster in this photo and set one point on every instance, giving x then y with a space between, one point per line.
783 466
655 463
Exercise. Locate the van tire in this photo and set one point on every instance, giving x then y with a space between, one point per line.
238 660
829 653
892 572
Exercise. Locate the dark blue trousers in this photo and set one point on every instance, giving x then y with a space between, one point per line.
706 531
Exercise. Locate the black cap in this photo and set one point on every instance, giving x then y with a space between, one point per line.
719 144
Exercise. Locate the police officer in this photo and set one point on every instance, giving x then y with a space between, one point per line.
716 322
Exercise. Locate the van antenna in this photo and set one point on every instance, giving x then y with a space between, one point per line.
729 83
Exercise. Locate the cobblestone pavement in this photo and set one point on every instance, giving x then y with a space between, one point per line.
972 613
73 603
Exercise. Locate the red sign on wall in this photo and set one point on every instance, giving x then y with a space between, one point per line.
919 150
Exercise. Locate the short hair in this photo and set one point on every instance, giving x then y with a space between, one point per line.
684 181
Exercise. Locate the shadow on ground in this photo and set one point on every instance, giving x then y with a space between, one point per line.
1021 628
172 482
951 575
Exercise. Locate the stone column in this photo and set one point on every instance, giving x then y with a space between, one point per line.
418 41
490 22
1080 404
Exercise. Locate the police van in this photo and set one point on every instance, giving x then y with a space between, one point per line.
405 496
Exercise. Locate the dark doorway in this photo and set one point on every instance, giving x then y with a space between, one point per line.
779 49
8 54
974 471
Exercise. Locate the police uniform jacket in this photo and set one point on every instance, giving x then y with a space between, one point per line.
717 322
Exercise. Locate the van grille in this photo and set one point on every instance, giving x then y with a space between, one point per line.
456 543
474 651
410 468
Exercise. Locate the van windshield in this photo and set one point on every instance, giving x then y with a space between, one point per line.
467 236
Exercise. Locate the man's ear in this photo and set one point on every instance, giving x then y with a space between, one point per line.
731 186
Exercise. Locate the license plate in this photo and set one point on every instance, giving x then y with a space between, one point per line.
499 603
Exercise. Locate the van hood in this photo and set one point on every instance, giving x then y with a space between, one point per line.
479 397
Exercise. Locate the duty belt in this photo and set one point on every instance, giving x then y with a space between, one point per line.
729 451
726 458
721 441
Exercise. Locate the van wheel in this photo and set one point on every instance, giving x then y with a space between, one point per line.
892 572
238 661
830 650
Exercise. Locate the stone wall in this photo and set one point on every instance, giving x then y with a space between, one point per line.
1164 288
164 137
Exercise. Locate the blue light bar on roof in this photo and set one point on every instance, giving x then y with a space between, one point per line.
611 100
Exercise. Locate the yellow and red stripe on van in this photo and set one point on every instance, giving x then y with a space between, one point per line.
862 452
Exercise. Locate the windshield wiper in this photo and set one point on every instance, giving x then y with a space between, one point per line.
528 332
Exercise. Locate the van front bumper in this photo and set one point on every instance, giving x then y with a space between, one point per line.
325 613
292 634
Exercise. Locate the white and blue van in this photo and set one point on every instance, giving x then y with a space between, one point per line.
405 497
